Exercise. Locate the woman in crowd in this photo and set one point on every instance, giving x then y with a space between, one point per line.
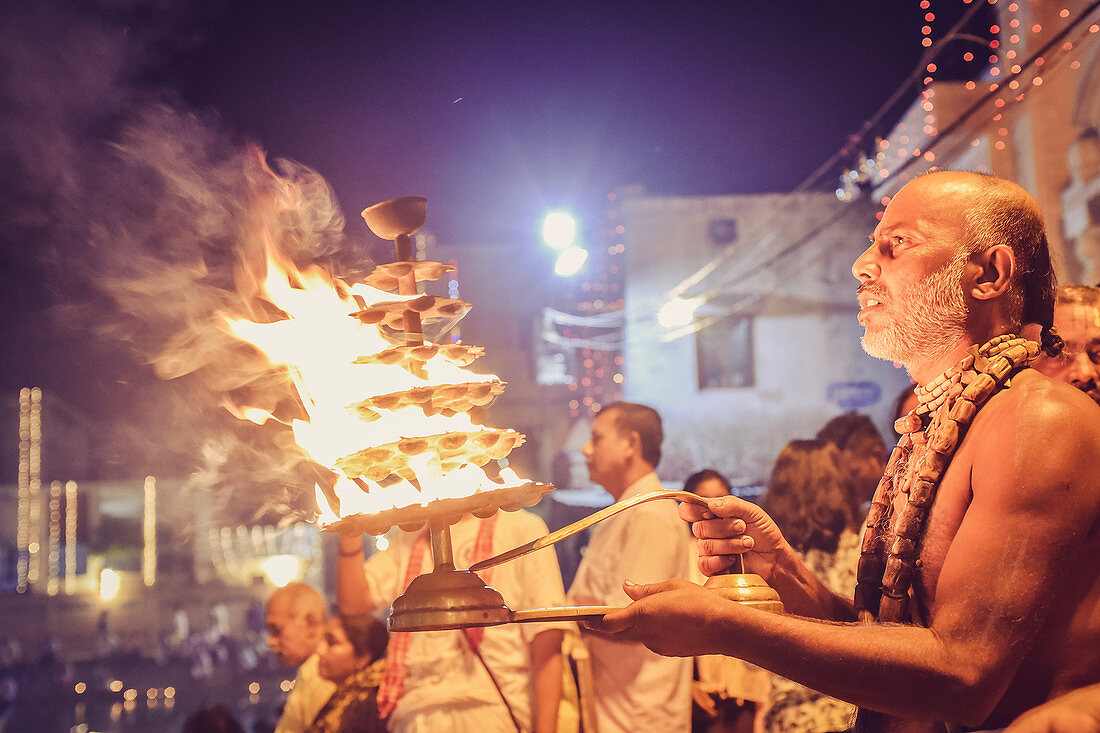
863 456
726 692
808 496
352 654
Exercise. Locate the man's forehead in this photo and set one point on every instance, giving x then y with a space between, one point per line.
605 422
927 204
1082 319
281 609
277 614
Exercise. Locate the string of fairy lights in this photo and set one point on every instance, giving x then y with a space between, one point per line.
600 374
149 532
1001 97
53 577
71 504
28 508
922 139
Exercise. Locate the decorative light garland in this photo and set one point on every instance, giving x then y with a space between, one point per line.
22 521
71 506
149 533
53 567
34 494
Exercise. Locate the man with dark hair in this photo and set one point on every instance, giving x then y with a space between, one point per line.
635 689
296 620
978 590
1077 318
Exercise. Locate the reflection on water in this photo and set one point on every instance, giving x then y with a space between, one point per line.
128 694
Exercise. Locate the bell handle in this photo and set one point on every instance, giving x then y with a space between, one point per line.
584 523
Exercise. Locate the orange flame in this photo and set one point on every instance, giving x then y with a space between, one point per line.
318 342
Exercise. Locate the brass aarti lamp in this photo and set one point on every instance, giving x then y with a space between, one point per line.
448 597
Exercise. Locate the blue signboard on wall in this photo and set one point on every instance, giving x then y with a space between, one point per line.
853 395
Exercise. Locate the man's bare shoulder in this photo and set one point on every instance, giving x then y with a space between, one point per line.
1036 402
1044 431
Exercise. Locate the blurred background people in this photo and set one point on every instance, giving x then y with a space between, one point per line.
862 456
808 495
635 689
726 692
296 620
1077 318
352 655
490 680
214 719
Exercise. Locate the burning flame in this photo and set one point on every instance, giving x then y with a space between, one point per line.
318 342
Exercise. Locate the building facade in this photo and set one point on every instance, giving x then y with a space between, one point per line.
767 348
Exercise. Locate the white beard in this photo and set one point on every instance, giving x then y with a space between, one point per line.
927 318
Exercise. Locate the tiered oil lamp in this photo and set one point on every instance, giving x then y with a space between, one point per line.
449 597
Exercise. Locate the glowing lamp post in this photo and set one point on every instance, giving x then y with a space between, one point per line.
559 232
110 583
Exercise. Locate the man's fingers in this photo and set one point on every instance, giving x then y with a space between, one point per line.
731 546
613 623
718 528
715 564
638 591
692 512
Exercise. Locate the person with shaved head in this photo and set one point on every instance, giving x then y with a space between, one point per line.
296 618
978 589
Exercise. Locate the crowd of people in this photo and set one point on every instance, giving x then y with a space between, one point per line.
948 585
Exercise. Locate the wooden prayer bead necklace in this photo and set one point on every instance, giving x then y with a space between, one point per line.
931 433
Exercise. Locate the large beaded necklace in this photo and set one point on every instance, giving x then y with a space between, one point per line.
930 434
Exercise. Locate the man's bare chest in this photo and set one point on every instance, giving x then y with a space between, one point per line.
945 516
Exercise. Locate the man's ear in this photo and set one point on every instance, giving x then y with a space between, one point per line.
997 266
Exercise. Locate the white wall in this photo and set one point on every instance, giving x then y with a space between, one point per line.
806 336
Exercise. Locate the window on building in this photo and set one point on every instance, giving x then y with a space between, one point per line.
724 354
722 232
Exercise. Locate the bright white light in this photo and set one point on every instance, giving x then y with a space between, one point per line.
559 229
281 569
109 584
570 261
678 312
381 543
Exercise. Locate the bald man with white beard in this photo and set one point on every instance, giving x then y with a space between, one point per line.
1003 607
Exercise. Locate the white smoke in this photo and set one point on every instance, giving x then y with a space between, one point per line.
136 210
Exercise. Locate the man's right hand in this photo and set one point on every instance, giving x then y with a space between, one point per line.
729 527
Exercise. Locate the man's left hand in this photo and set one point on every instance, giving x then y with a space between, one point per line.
670 617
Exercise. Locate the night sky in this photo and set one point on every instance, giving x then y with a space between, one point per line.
495 111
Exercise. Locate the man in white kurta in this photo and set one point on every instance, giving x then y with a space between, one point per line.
310 693
636 690
446 688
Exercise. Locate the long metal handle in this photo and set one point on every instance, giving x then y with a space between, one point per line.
584 523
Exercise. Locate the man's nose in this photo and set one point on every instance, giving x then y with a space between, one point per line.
587 449
865 268
1081 369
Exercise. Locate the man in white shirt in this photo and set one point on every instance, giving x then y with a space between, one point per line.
296 619
636 690
455 681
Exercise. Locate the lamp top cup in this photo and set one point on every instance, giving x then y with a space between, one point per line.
403 215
